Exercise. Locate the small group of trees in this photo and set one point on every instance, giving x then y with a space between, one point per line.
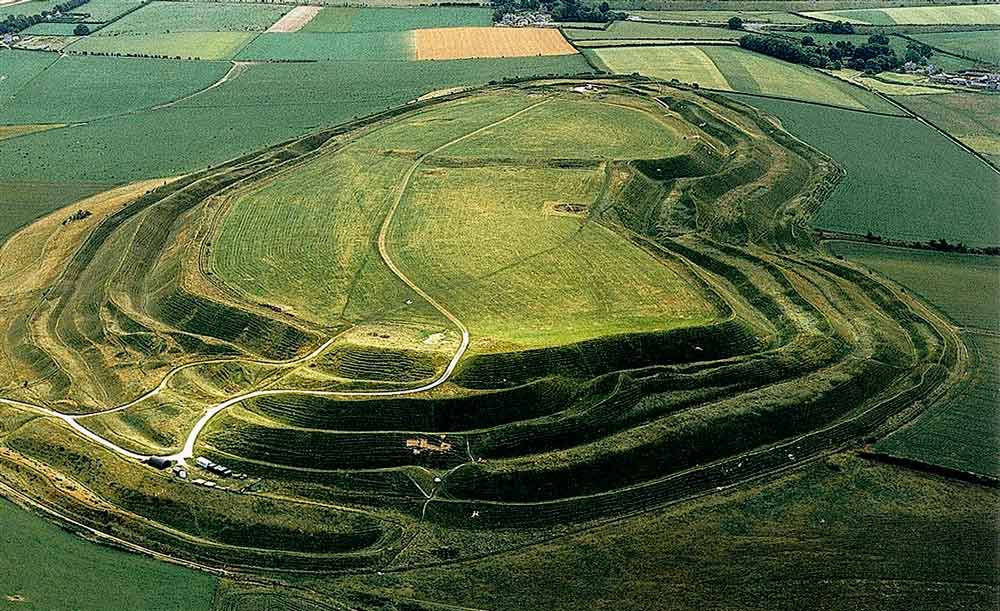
837 27
16 23
873 56
561 10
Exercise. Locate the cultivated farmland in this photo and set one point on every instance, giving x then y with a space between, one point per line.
982 45
640 30
351 19
171 17
971 117
920 15
465 43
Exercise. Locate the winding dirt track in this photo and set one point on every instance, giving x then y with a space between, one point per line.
188 450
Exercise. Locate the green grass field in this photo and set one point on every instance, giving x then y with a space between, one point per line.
18 69
101 11
350 19
736 550
81 88
973 118
384 46
183 45
963 432
174 17
923 187
51 29
721 16
53 569
968 14
637 29
981 45
32 7
734 69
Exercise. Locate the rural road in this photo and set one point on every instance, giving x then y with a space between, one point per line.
188 450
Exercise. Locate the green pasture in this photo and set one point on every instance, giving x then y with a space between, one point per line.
52 569
980 45
100 11
577 129
720 16
964 432
181 45
298 46
51 28
904 180
734 69
736 550
24 201
965 287
973 118
967 14
18 69
77 88
638 29
173 17
352 19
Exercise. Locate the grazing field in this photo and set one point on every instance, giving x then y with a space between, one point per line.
18 69
981 45
924 187
351 19
101 11
640 30
22 201
301 46
973 118
720 16
964 432
733 69
179 45
968 14
45 567
83 88
466 43
51 29
965 287
173 17
732 551
684 63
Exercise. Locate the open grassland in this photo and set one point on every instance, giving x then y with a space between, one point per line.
964 432
84 88
352 19
684 63
982 45
961 433
630 262
923 187
22 202
734 69
172 17
46 28
965 287
46 567
101 11
180 45
968 14
265 104
18 69
465 43
973 118
720 16
305 46
640 30
736 549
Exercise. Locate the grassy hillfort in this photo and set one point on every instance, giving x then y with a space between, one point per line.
392 344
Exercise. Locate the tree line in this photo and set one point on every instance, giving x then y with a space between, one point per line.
872 57
16 23
561 10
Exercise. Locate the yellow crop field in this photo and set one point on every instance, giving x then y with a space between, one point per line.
467 43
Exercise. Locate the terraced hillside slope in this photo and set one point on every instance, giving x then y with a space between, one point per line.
442 331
